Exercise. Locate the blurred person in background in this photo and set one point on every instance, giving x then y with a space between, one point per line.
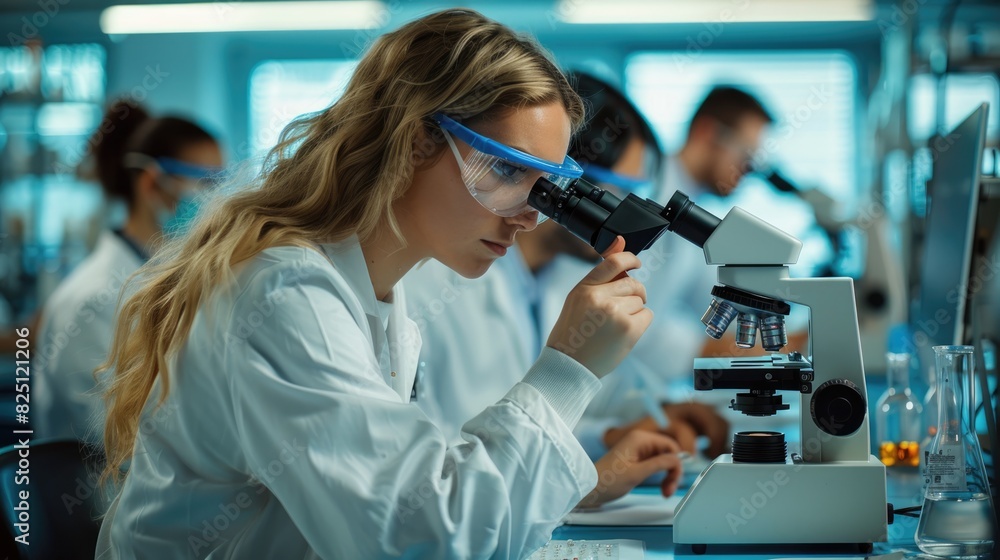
724 137
156 166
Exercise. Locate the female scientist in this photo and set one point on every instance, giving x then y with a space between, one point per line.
264 366
154 166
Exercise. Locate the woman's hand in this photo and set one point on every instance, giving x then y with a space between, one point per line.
604 315
636 457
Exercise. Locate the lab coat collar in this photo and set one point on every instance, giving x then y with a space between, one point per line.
395 337
349 260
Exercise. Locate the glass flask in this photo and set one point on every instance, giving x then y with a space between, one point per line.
930 416
956 519
898 417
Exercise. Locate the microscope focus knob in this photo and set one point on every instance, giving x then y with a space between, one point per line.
838 407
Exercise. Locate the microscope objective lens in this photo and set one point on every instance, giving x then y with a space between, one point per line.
746 331
772 332
722 315
707 316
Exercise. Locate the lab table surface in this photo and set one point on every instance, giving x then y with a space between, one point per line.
903 489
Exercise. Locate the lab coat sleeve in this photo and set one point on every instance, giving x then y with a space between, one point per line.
364 475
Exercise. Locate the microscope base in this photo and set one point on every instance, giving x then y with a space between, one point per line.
790 503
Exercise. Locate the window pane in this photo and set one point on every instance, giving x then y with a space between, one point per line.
281 90
963 93
813 141
811 95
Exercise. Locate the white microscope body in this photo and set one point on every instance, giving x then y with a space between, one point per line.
833 491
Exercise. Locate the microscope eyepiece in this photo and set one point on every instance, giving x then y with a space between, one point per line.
598 216
689 220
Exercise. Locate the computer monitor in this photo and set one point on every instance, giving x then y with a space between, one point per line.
951 219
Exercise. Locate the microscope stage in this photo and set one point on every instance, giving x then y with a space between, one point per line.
776 372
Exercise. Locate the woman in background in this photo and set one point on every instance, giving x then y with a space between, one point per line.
155 166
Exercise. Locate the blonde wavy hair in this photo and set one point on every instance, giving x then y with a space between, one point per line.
332 174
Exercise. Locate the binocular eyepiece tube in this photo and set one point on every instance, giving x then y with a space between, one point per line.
598 216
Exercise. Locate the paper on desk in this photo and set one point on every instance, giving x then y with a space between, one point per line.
631 509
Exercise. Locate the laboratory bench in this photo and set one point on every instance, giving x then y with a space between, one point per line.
903 490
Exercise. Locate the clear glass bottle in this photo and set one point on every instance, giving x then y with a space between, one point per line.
898 417
957 516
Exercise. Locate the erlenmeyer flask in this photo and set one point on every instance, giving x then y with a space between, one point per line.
957 515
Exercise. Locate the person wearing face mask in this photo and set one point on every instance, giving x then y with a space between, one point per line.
156 167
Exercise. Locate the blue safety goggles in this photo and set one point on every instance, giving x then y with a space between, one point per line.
597 174
500 177
169 166
189 170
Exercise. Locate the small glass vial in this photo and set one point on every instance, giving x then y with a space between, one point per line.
956 519
898 417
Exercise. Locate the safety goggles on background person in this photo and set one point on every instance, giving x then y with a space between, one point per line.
601 176
183 182
181 175
500 177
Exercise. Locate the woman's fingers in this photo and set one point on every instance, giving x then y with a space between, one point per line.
625 286
611 268
617 246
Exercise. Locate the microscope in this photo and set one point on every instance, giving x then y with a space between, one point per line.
832 491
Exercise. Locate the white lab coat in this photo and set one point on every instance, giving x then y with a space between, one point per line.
483 326
75 332
473 345
287 433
